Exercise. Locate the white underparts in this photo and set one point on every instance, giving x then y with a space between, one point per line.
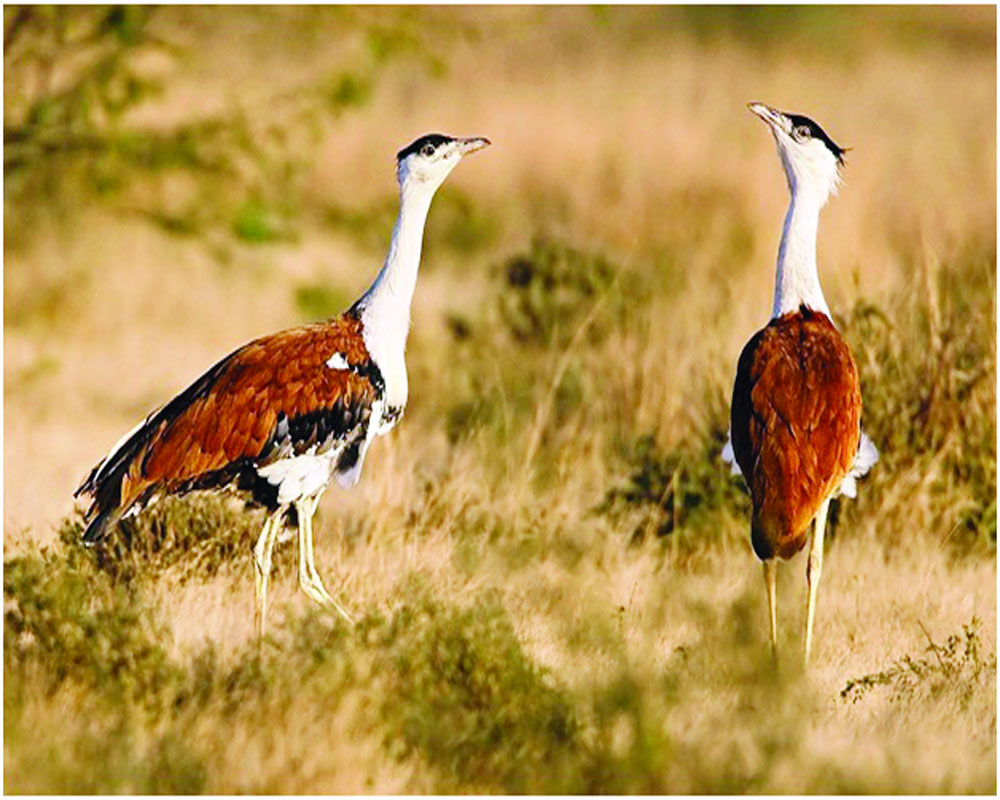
308 474
300 476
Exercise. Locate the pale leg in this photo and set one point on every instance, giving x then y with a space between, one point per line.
770 578
262 567
814 570
309 578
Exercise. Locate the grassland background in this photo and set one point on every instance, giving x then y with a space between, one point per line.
550 562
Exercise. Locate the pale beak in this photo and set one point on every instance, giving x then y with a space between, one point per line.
771 116
466 146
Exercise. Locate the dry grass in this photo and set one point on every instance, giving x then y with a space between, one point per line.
524 628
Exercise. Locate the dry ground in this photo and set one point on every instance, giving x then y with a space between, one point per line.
519 634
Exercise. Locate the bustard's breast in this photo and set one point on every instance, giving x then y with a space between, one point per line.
393 401
386 344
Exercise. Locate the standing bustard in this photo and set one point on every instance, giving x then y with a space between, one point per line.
795 420
283 416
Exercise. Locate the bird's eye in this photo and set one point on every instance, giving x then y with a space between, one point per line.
801 132
427 150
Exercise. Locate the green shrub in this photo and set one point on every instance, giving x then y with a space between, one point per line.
678 489
463 693
65 621
532 355
83 76
549 291
258 222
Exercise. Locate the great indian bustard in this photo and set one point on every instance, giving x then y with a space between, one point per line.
795 419
283 416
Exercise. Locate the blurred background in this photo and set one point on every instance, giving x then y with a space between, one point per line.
180 180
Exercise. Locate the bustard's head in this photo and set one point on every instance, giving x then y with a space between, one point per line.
812 160
426 162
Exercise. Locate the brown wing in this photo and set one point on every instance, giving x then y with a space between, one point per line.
273 396
795 420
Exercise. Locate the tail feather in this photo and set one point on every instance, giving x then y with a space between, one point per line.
89 484
104 484
99 525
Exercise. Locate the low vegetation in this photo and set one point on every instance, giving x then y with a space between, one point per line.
957 667
445 685
548 560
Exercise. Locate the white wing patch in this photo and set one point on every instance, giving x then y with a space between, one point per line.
865 459
337 361
730 457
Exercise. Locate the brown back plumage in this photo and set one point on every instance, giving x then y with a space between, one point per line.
796 424
273 397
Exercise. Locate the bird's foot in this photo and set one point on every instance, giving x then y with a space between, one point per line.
315 589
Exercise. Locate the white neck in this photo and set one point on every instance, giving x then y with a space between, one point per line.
386 304
797 279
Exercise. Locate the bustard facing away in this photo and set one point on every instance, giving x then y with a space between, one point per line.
281 417
795 419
